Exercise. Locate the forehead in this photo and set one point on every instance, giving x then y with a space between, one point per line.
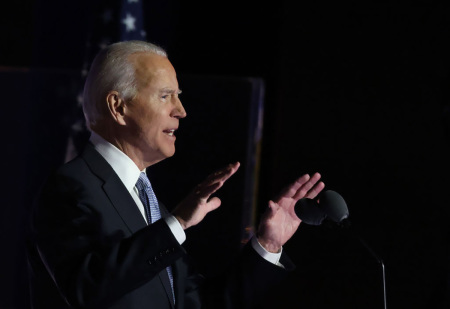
153 69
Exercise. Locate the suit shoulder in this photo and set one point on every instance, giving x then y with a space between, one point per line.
76 166
72 175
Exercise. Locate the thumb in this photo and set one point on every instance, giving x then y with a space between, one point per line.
213 203
273 207
272 204
270 211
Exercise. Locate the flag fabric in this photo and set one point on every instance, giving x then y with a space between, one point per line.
132 21
113 21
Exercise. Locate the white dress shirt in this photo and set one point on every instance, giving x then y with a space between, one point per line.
128 173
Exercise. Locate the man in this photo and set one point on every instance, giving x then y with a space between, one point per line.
98 241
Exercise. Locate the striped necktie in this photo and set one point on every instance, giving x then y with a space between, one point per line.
152 211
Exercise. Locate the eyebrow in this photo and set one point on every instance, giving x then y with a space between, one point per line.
170 91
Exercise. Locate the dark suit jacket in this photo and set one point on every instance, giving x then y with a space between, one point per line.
91 248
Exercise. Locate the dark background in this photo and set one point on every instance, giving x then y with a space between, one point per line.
356 91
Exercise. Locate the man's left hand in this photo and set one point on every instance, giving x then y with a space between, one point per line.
280 222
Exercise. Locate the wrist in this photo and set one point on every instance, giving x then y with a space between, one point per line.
268 245
182 222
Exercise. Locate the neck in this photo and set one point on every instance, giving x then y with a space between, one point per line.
120 140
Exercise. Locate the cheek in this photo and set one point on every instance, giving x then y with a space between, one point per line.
147 121
152 130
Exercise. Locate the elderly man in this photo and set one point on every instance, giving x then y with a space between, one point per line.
98 240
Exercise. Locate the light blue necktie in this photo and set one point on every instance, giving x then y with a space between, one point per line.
152 211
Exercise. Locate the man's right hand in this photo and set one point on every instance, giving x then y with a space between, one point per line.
199 202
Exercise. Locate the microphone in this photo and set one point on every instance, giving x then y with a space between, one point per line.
308 211
332 206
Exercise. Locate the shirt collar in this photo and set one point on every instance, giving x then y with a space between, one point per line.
124 167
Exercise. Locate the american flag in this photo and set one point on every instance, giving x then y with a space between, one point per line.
113 21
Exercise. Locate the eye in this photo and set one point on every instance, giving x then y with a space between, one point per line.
164 96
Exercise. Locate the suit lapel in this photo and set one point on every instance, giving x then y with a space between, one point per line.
115 190
122 201
125 205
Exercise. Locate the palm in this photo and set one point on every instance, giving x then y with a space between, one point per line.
280 222
199 202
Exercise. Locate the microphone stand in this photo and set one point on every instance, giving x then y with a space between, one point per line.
333 206
380 261
346 225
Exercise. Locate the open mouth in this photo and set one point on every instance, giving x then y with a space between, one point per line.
169 132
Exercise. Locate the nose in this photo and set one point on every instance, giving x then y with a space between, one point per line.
179 111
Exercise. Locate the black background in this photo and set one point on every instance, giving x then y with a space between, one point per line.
358 91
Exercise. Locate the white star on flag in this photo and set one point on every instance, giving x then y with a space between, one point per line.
129 22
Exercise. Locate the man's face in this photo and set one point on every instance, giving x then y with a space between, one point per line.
153 115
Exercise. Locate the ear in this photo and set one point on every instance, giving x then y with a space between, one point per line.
116 106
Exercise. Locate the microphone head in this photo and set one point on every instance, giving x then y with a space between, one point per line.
309 211
334 206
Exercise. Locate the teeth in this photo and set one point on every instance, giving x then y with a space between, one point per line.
170 132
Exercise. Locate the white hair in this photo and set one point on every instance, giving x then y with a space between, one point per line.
112 70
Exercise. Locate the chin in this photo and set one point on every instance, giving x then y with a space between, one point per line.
160 155
168 153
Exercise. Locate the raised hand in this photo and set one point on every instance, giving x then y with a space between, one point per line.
279 222
199 203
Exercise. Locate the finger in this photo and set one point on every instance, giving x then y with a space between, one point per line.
290 191
232 169
222 174
271 209
304 190
316 190
273 206
213 203
216 180
204 192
